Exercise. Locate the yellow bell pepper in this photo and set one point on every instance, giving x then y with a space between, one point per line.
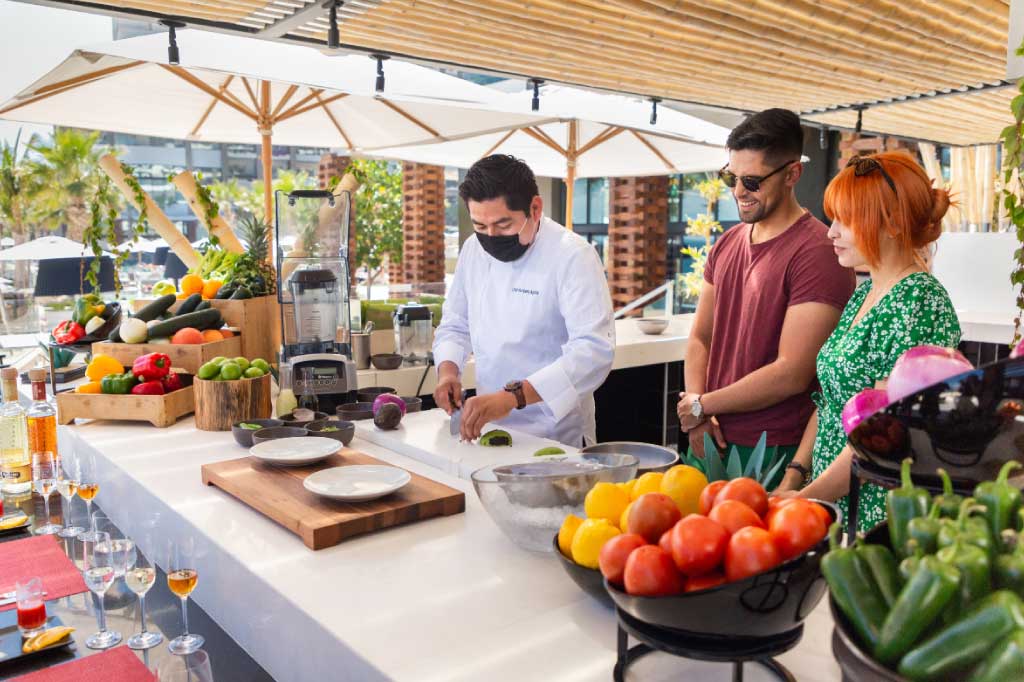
101 366
90 387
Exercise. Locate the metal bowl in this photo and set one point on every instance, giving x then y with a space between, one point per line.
652 325
652 457
345 430
386 361
244 436
368 395
530 501
275 432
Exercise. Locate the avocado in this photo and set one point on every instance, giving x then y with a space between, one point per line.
544 452
496 438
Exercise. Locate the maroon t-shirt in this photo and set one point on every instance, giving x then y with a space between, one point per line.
755 284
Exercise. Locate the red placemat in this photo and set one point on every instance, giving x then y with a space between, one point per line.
120 664
39 556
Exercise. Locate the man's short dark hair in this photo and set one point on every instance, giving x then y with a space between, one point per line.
500 175
776 132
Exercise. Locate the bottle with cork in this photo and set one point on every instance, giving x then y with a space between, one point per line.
41 416
15 465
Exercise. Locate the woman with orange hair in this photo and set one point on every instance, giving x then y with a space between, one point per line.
885 214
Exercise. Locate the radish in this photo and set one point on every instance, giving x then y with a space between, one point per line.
863 405
386 398
923 366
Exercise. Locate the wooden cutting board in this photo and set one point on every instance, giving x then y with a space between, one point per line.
278 493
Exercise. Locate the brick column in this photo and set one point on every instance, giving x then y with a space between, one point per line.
422 224
331 166
637 237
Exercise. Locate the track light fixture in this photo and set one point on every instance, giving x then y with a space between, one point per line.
333 34
535 103
654 110
379 88
173 56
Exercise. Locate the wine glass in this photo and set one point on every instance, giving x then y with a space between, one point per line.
88 486
67 486
99 575
140 578
182 576
44 480
193 667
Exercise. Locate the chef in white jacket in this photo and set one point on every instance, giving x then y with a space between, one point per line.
530 301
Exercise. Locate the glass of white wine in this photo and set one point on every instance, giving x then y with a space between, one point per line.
99 575
67 486
88 487
182 576
45 471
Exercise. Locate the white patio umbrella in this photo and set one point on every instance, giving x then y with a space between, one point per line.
46 248
237 89
594 135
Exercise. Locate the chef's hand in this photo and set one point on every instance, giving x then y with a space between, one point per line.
696 436
481 409
448 392
687 422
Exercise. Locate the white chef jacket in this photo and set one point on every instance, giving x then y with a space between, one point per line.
545 318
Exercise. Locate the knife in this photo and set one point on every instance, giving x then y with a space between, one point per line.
454 426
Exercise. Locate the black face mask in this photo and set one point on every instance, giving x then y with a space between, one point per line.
505 248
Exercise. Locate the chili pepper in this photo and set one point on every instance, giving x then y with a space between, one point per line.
151 366
909 565
903 504
118 384
1008 569
973 528
852 588
882 568
921 602
964 643
975 575
1004 663
948 501
67 332
925 530
1001 500
84 311
172 382
154 387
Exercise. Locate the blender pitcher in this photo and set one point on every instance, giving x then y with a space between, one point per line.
315 293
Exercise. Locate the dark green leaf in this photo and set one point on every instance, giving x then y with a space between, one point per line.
733 466
770 476
1017 107
756 460
713 467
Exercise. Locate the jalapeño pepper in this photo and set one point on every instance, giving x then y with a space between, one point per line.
118 384
974 529
975 575
922 600
1008 569
1004 663
851 586
909 565
964 643
925 530
948 501
1001 500
903 504
882 568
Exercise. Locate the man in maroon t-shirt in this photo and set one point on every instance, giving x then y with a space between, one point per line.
773 292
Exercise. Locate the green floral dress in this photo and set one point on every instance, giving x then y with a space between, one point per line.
916 311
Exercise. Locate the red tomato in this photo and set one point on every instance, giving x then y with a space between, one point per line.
745 490
733 515
651 515
750 551
704 582
795 528
614 553
707 496
650 572
698 544
824 514
666 541
774 505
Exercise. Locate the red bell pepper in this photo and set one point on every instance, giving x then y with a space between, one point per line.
154 387
172 382
151 366
68 332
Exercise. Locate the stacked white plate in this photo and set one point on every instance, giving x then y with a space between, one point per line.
357 482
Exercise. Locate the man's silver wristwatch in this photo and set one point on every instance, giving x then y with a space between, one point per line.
696 409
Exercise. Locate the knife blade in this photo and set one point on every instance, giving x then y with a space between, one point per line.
455 425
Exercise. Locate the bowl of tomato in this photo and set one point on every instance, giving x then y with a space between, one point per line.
763 603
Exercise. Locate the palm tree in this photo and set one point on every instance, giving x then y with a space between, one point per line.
67 172
17 196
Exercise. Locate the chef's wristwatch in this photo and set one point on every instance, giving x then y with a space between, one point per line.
696 409
516 389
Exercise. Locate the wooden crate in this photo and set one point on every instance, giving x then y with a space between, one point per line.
159 410
184 356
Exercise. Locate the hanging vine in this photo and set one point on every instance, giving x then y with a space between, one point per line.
1012 190
102 229
211 209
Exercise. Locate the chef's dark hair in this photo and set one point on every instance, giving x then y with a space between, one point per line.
776 132
500 175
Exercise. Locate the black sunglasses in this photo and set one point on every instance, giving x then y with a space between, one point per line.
751 182
865 165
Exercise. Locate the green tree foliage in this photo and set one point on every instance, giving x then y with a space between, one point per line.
378 206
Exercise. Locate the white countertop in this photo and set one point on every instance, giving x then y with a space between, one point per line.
986 327
445 599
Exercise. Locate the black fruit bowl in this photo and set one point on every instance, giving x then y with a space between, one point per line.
345 430
101 334
244 436
275 432
355 411
368 395
590 580
386 361
764 605
289 420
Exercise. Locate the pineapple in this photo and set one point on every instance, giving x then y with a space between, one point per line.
253 269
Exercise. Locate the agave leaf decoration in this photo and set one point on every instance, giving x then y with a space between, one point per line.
762 466
733 467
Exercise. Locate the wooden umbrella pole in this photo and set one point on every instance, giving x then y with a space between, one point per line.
218 227
156 217
570 173
266 131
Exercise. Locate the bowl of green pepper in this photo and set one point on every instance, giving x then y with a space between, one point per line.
243 430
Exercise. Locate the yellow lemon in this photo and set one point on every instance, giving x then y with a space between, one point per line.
648 483
684 484
628 486
606 501
566 533
625 518
589 539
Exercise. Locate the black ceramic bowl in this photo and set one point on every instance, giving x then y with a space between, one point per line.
244 436
355 411
386 361
345 430
289 420
275 432
764 605
368 395
590 580
412 404
113 318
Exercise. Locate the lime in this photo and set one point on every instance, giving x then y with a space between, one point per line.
253 373
261 363
208 371
230 371
219 360
241 362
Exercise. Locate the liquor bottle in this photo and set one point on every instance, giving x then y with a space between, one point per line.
42 418
15 466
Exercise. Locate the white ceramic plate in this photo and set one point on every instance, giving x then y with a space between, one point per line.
294 452
358 482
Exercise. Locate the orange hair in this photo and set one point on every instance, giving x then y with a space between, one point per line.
912 215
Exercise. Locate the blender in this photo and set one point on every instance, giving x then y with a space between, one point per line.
414 333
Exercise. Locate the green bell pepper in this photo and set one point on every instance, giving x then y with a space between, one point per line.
922 600
1008 569
1004 663
84 311
883 569
850 583
903 504
925 530
1001 500
118 384
964 643
948 501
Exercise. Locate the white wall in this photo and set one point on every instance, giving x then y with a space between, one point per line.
975 268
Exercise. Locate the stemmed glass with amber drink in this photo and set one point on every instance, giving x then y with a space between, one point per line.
68 478
45 470
182 576
88 486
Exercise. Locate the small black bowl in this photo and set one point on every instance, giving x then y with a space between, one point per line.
353 412
768 604
590 580
368 395
275 432
412 404
112 317
346 430
289 420
386 361
244 436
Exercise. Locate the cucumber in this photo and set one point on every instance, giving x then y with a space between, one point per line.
189 304
205 305
199 320
240 293
225 291
215 322
156 308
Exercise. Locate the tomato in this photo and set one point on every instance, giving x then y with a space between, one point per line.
774 505
733 515
651 515
698 544
707 496
750 551
666 541
704 582
650 572
824 514
795 528
612 559
745 490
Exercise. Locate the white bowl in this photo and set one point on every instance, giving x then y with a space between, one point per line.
357 482
652 325
295 452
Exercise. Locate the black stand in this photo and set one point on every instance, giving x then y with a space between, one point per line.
687 645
